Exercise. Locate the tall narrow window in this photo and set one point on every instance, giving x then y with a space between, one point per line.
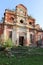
10 35
31 38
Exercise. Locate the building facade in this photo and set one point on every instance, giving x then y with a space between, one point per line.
20 27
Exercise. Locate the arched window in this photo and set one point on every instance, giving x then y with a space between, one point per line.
12 18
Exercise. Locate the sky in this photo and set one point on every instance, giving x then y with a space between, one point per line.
34 8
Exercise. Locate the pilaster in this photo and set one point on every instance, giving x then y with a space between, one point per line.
28 38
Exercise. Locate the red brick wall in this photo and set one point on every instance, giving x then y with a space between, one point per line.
1 28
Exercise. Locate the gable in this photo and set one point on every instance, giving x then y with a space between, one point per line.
22 7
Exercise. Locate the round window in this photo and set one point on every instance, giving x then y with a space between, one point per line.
21 21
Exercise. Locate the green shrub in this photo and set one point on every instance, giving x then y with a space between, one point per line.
8 43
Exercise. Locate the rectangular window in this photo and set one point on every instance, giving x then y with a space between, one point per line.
10 34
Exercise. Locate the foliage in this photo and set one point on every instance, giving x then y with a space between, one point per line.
8 43
28 59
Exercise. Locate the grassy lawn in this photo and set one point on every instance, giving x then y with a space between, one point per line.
32 56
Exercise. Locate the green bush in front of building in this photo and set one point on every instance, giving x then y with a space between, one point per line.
8 43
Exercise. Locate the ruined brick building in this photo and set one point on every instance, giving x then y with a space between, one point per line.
20 27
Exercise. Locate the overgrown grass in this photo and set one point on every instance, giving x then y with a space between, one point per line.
26 59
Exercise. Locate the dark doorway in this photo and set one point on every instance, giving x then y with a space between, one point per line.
21 40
